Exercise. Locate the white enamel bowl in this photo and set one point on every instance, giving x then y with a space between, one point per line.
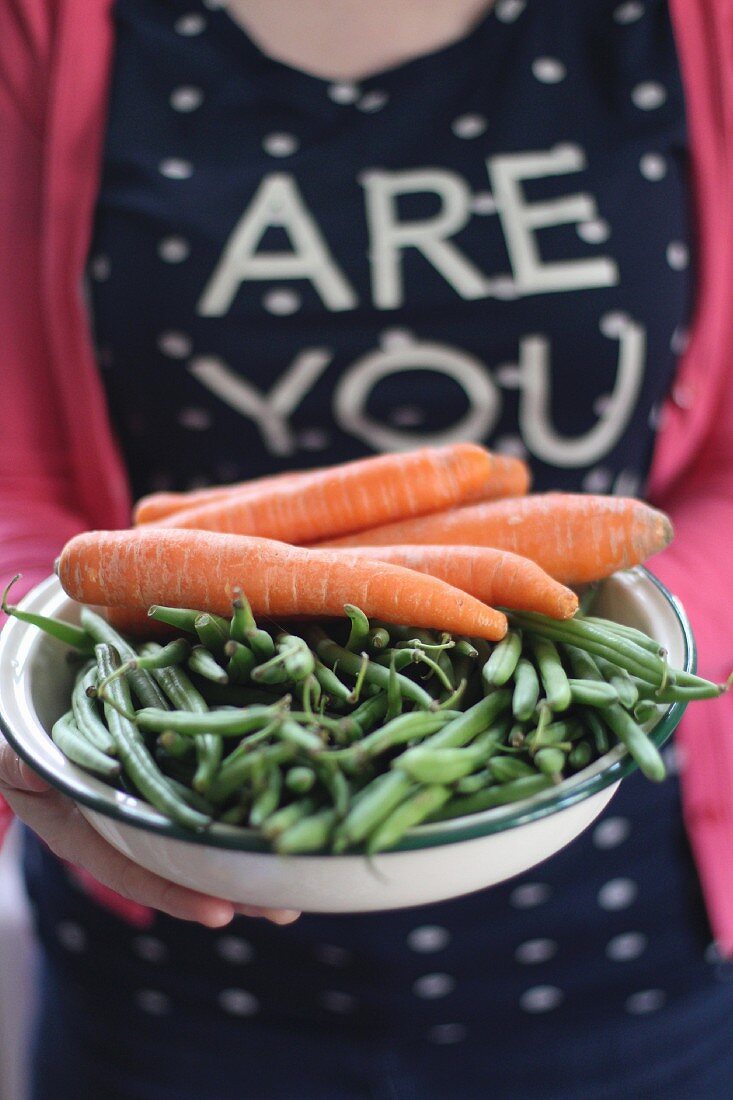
434 862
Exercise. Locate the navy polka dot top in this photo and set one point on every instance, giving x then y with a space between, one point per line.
491 243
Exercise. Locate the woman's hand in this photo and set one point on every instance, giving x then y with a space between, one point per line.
59 823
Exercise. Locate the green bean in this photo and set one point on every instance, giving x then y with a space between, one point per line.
526 690
514 791
552 674
236 814
243 628
410 813
394 698
330 682
517 735
175 744
619 678
226 723
235 771
192 798
335 783
598 731
148 660
359 628
202 662
580 755
628 731
470 784
300 779
592 693
66 735
376 640
298 661
185 696
680 693
506 768
555 733
630 632
358 686
241 662
137 761
180 618
464 727
400 658
310 834
587 598
430 765
67 633
213 632
378 799
141 681
362 720
550 761
465 648
267 800
645 710
333 654
284 818
85 712
294 734
584 666
502 663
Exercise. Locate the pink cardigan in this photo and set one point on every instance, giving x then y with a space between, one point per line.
59 467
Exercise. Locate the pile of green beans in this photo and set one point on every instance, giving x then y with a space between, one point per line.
340 735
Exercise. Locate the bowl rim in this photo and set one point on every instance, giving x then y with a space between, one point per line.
95 795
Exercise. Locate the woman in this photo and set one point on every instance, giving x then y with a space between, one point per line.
316 231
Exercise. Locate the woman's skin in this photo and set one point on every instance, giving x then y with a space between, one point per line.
334 40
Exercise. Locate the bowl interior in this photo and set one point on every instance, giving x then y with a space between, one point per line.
36 678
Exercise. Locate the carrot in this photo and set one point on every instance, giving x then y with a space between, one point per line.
496 577
185 568
576 538
510 477
350 497
156 506
136 622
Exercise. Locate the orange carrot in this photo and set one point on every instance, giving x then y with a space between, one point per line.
576 538
350 497
201 569
156 506
496 577
510 477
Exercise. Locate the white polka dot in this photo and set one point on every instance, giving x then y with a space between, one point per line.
174 168
674 759
406 416
602 404
611 832
548 70
504 288
186 98
71 935
594 232
626 484
173 249
648 95
428 938
511 445
190 25
100 268
653 166
314 439
336 1001
176 345
445 1034
655 417
194 418
629 945
469 126
150 948
238 1002
647 1000
680 340
713 954
509 10
280 144
529 895
614 324
343 93
618 893
153 1002
678 255
431 986
629 12
509 376
372 101
282 302
483 202
597 480
541 998
393 339
214 5
333 955
535 951
568 149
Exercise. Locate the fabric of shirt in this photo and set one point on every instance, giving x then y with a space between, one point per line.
486 243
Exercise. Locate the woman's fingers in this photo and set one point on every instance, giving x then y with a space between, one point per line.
15 773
